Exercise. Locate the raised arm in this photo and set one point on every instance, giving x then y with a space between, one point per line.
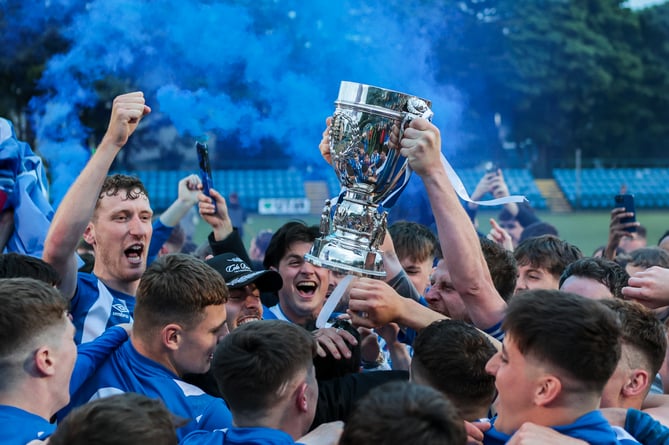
617 230
76 209
460 245
215 215
373 303
188 189
499 189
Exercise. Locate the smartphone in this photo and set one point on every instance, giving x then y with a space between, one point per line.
205 168
490 167
626 201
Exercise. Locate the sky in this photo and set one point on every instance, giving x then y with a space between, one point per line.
637 4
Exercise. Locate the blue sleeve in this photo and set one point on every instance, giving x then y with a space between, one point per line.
161 233
231 243
92 354
203 438
495 331
407 336
644 428
216 416
23 181
526 215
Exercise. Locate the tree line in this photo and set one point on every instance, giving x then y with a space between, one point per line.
538 79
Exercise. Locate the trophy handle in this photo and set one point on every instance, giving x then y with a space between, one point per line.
344 129
416 107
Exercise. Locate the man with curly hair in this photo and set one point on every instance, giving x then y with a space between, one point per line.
114 216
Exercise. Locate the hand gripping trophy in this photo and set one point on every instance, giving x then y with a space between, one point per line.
367 126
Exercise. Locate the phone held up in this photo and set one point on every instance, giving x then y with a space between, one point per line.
627 201
490 167
205 168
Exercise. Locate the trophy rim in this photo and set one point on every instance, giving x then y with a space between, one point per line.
351 83
343 267
375 109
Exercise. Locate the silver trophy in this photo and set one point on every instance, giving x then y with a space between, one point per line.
368 124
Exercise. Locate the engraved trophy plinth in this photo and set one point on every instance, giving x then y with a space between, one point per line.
367 125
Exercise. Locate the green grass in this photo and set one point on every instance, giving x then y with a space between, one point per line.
254 224
587 229
590 229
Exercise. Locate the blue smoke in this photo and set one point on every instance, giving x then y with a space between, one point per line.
251 70
22 21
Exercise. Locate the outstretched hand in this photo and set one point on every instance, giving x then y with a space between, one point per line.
373 303
485 185
500 236
215 215
498 186
189 189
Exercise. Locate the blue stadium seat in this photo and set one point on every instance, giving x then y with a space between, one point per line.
649 185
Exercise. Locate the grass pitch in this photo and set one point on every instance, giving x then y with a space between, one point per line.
587 229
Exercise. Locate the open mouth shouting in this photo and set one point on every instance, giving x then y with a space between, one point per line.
307 288
134 253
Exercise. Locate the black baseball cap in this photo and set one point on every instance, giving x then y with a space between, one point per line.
237 273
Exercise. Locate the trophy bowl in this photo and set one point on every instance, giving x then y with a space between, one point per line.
367 125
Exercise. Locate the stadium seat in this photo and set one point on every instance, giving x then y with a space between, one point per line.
649 185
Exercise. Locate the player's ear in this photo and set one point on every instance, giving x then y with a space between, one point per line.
548 388
171 336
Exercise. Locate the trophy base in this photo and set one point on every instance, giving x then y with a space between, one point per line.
350 260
